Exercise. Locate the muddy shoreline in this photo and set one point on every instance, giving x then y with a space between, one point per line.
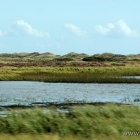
57 105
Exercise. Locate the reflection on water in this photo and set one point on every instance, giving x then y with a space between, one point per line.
40 93
136 77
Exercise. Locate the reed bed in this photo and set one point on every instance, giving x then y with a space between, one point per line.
73 75
80 121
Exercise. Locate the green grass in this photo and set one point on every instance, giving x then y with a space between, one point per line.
71 74
82 121
56 137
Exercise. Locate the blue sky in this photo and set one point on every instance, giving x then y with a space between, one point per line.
63 26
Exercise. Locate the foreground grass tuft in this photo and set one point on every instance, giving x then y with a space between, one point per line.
81 121
57 137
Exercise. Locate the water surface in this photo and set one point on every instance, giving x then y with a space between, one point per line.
32 93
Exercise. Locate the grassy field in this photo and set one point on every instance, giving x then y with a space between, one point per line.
71 74
87 122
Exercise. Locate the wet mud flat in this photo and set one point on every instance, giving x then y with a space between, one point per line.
57 105
53 107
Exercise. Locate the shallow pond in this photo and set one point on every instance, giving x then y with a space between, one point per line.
40 93
136 77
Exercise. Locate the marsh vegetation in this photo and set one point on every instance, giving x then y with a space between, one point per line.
112 74
80 121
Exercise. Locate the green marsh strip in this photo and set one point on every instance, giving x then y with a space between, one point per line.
73 75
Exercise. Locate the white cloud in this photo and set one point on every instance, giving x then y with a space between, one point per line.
125 29
76 30
104 30
2 34
27 29
119 28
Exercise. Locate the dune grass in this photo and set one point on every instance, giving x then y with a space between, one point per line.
81 121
